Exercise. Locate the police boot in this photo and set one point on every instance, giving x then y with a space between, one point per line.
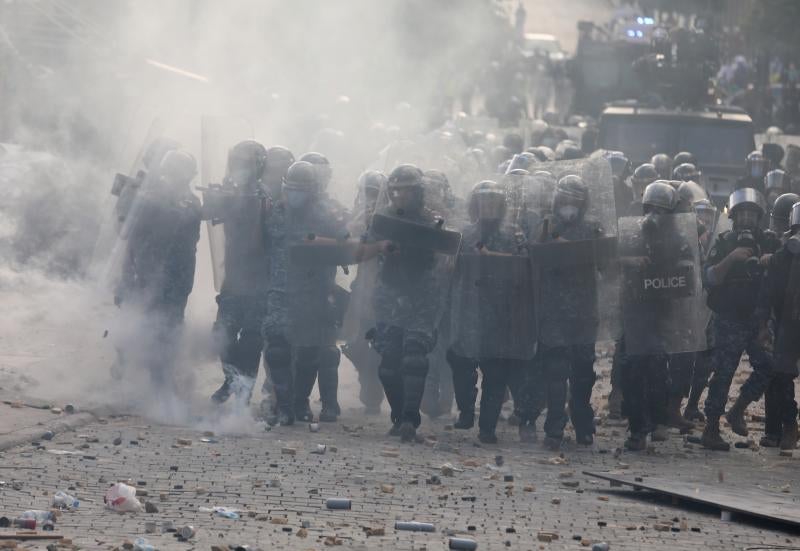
302 411
222 394
465 421
769 441
408 432
735 416
660 434
692 411
789 437
329 413
615 403
527 432
674 417
329 384
552 443
712 439
636 442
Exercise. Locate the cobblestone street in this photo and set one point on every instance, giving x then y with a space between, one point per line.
504 496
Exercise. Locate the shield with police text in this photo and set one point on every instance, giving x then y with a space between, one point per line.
662 294
493 307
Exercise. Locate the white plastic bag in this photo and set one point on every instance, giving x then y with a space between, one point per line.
122 499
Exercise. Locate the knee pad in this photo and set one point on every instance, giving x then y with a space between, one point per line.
415 365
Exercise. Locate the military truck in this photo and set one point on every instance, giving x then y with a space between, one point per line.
719 137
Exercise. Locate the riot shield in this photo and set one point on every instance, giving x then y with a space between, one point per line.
662 294
412 279
221 203
787 339
111 247
493 307
407 232
575 257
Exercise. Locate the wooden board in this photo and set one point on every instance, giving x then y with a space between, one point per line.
733 497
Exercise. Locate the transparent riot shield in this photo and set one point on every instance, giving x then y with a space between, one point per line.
412 278
787 339
662 295
575 256
110 246
493 307
305 303
223 204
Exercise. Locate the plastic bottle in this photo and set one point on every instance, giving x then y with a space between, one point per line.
39 516
63 500
141 544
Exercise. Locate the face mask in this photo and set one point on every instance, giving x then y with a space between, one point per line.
297 199
568 213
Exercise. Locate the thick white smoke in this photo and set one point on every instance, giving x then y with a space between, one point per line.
79 112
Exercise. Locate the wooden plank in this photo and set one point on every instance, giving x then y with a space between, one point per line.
748 501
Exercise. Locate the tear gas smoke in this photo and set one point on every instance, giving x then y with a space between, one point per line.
344 78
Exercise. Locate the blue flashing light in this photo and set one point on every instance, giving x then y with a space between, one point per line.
631 34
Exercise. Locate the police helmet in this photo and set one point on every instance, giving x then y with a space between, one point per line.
301 176
660 194
746 198
178 166
663 165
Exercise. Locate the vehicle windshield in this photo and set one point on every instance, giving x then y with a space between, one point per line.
640 139
722 145
713 143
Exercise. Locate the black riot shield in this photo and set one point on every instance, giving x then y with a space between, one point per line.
575 257
662 296
409 233
493 307
787 338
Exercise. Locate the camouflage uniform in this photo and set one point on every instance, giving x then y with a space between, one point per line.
302 318
407 308
571 292
498 373
735 330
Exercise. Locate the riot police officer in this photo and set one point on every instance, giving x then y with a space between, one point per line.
779 218
776 184
756 166
159 264
684 157
489 235
733 277
780 298
574 291
663 164
407 307
659 246
239 206
299 328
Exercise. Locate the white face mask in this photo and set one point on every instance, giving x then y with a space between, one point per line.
297 199
568 213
